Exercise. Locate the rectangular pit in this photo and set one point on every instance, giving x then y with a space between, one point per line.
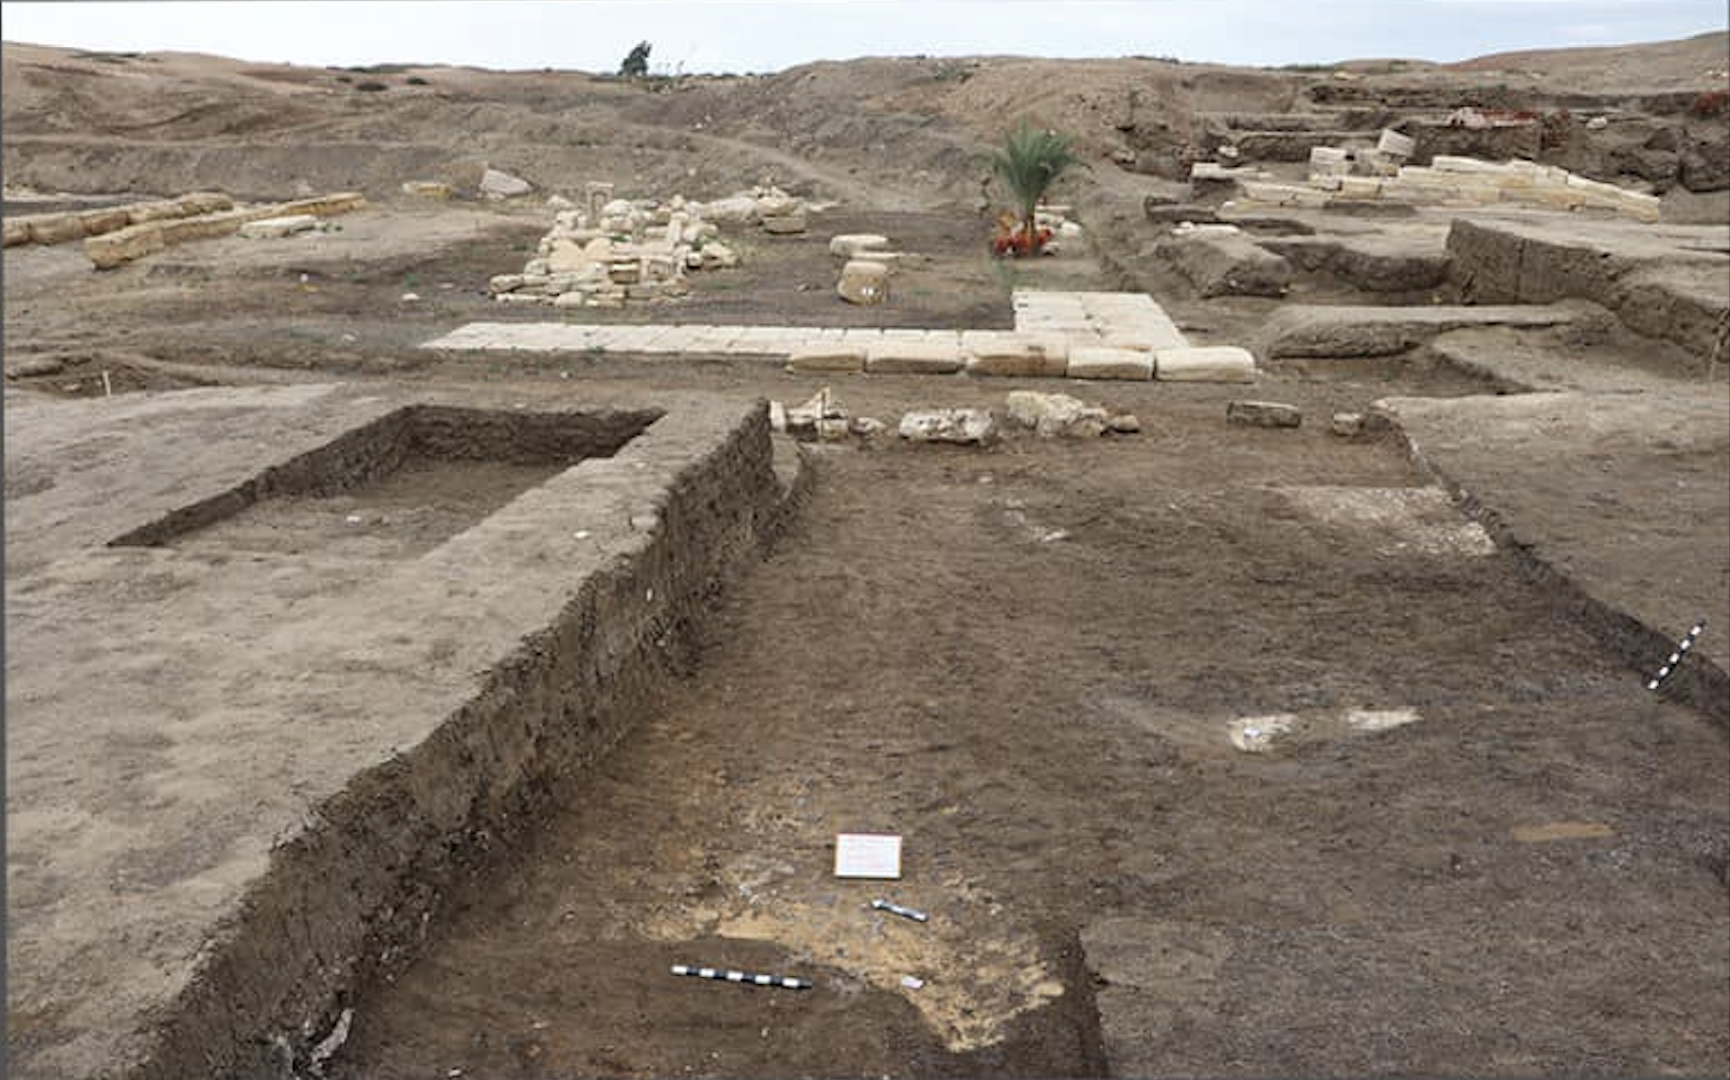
396 487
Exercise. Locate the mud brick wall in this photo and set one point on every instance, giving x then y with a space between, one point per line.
1681 304
349 898
524 438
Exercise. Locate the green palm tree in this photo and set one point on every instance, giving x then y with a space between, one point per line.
1028 162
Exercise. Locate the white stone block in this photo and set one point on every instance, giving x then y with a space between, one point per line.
827 358
913 358
1100 362
1394 144
1209 363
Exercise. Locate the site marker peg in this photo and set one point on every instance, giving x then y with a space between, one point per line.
1682 648
743 978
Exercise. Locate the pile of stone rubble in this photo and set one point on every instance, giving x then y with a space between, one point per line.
609 250
824 419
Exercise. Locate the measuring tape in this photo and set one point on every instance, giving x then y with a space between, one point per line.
744 978
1682 648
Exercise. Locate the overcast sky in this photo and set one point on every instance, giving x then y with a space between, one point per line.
740 35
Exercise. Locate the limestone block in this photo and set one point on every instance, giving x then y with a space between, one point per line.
123 245
718 256
1263 414
567 256
1207 363
913 358
205 226
1016 356
827 358
970 427
427 189
155 210
504 283
788 224
1053 415
55 228
1226 265
864 282
1456 164
205 202
1101 362
340 202
1347 424
277 227
1360 187
1329 161
17 231
851 245
502 185
1147 333
97 222
1394 144
1283 194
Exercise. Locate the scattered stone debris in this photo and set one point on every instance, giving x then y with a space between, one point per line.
1264 414
1347 424
822 418
1059 415
968 427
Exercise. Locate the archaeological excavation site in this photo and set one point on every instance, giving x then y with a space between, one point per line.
896 567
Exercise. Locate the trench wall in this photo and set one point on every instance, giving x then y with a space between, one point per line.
1679 300
349 898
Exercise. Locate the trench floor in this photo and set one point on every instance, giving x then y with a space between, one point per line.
1467 842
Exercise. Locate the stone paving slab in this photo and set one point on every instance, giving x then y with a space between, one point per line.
1051 324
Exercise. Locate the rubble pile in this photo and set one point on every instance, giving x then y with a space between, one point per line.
609 251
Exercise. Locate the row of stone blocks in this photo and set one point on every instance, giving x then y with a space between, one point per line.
122 246
1029 358
63 228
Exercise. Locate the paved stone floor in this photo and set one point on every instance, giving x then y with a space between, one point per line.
1131 321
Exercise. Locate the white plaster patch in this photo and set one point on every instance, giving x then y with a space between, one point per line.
1402 521
1257 734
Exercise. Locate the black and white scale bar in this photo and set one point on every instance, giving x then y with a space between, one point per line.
744 978
897 909
1682 648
